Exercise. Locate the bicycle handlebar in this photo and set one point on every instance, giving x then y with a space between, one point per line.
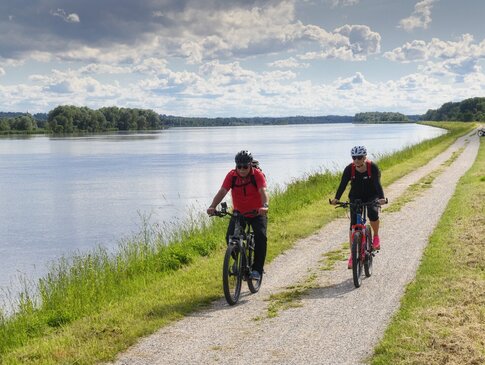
375 202
223 212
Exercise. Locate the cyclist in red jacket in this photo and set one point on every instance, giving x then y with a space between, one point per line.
365 184
248 189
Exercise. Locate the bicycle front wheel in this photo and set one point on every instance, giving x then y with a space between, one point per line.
368 253
232 274
357 259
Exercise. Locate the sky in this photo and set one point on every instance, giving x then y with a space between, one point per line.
241 58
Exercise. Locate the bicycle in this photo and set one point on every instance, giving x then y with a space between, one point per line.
239 257
361 238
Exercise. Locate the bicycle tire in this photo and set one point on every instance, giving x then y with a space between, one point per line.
356 259
368 255
231 281
253 285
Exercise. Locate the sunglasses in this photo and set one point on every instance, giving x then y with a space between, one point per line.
242 167
357 157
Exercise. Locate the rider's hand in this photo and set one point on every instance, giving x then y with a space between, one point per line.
262 211
211 210
334 201
382 201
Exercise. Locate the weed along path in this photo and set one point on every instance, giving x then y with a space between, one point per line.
308 311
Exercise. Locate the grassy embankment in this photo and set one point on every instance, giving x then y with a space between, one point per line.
442 315
93 306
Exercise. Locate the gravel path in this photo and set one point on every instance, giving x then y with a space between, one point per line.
328 326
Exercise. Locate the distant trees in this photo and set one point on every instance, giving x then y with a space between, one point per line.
69 119
468 110
24 123
175 121
379 117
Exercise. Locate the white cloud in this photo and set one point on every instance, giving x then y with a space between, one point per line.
419 50
349 42
356 81
68 18
335 3
288 63
420 18
2 71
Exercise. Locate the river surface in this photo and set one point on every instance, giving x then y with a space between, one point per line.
60 196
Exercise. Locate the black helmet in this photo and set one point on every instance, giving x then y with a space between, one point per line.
243 157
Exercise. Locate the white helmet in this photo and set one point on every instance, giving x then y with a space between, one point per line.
358 151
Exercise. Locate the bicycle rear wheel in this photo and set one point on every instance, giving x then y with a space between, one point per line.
232 274
253 285
356 259
368 253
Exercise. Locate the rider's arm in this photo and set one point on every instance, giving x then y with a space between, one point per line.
376 177
217 199
343 183
264 201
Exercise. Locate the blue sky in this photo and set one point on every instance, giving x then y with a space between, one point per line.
241 58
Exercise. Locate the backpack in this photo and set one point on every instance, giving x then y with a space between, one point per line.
254 165
352 170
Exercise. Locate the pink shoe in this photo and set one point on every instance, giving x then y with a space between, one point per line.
376 244
349 264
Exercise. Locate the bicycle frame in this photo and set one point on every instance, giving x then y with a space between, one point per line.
237 264
362 256
242 238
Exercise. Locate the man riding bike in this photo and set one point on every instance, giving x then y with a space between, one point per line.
248 189
365 184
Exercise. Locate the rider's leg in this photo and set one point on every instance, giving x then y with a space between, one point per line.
373 213
375 227
376 241
259 224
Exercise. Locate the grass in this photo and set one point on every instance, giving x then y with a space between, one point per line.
442 315
90 307
419 187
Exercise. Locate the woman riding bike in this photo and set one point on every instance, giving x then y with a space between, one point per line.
365 184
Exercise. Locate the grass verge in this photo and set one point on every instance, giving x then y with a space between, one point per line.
90 307
442 315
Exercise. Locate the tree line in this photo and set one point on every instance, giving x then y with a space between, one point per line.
175 121
380 117
71 119
468 110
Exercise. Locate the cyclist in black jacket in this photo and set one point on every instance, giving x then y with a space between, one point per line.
365 184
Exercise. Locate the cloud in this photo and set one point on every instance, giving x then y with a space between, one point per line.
419 50
349 42
68 18
335 3
420 18
353 82
288 63
2 71
144 29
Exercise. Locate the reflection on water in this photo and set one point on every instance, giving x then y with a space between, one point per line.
66 194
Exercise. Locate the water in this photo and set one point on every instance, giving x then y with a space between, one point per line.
65 195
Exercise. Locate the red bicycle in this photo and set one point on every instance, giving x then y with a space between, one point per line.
361 239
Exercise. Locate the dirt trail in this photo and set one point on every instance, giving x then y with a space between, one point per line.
328 326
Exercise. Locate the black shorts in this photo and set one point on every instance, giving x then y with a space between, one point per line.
372 213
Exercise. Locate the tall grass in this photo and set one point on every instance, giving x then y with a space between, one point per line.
95 289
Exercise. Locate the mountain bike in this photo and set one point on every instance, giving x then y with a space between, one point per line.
361 238
239 257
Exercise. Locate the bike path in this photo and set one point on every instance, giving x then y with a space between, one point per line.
336 323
